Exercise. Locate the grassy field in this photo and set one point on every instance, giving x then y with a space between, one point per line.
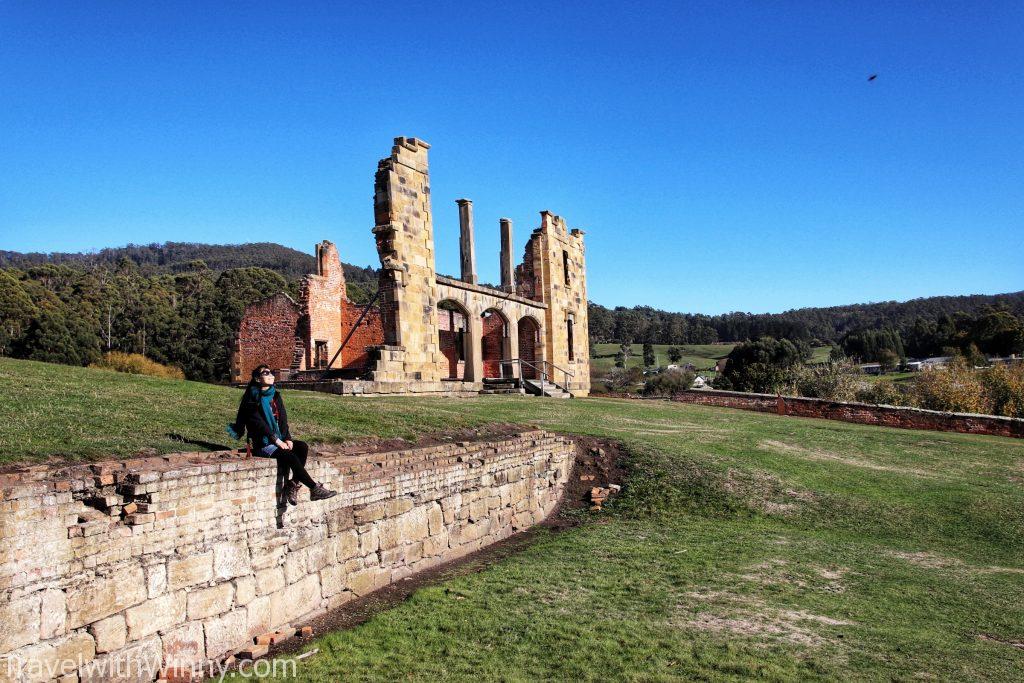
701 356
745 544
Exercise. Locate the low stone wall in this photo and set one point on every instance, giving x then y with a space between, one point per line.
863 413
177 560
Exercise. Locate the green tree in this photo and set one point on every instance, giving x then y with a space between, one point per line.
16 311
675 354
649 358
765 365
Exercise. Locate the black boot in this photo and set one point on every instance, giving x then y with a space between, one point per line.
290 491
321 492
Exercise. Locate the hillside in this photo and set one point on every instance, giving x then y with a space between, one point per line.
177 257
744 544
828 324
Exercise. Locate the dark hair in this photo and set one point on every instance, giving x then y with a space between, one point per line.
257 372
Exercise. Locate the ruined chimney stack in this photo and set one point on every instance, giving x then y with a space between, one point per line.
507 268
467 253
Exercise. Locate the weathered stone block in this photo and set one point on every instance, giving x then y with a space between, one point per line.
155 615
156 579
89 601
53 613
188 571
21 623
225 632
54 658
245 589
110 633
184 645
205 602
230 560
269 580
257 616
295 600
137 663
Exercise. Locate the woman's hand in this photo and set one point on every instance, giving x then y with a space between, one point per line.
284 445
290 445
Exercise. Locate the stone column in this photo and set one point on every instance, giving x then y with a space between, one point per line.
467 254
474 350
507 268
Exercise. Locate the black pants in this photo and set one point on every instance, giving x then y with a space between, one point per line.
294 461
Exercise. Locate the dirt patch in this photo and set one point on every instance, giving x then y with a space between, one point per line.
1019 644
755 619
926 559
598 463
930 560
827 456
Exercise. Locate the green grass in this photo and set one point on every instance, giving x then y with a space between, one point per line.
701 356
745 545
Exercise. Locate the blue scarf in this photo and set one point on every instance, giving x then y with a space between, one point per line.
266 396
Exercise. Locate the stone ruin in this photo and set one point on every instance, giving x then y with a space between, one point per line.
426 333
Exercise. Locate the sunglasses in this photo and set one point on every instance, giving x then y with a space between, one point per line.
267 373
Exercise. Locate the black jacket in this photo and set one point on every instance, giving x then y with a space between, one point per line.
251 416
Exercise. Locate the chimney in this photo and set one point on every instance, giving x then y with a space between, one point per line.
467 254
507 269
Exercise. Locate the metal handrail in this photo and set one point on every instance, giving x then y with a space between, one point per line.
544 375
366 309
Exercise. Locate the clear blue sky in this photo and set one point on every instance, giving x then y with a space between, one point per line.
720 156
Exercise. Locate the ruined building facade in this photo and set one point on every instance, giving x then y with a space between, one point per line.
427 333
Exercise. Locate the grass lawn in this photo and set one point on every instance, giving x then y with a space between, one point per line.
744 545
701 356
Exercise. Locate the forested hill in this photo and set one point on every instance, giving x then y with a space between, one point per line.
180 303
646 324
178 257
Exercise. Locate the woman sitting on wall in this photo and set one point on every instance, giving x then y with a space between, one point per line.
261 413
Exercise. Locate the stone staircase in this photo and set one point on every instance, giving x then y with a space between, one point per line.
501 385
297 355
550 389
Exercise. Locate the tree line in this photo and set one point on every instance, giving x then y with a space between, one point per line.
180 303
917 328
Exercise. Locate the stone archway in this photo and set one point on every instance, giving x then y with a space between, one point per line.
453 335
493 341
530 345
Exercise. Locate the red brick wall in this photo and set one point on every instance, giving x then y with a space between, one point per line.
493 344
449 324
267 334
369 333
528 340
886 416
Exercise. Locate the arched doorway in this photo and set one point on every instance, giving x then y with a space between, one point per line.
529 343
493 341
453 329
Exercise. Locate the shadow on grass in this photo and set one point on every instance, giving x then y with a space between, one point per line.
208 445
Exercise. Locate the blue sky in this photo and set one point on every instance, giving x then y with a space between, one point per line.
720 156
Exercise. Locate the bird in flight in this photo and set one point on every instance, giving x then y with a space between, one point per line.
872 77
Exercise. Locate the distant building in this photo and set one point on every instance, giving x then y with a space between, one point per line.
871 368
935 362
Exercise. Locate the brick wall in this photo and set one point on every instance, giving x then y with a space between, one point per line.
451 333
493 344
863 413
175 560
267 334
369 333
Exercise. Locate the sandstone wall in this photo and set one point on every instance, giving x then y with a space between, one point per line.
863 413
175 560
